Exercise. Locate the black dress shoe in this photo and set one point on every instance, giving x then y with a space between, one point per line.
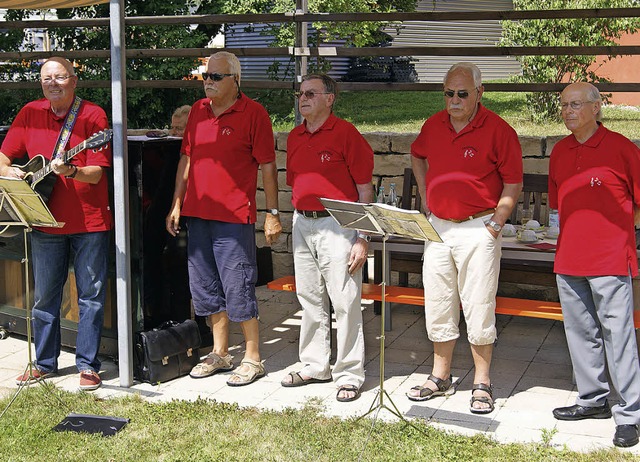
577 412
626 436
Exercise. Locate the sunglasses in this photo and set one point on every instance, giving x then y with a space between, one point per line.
214 76
462 94
310 94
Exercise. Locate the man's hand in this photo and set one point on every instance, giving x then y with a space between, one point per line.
60 168
359 253
493 232
272 228
12 172
172 221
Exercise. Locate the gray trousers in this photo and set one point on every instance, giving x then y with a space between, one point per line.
321 250
598 322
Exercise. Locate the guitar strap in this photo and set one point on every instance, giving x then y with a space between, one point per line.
67 128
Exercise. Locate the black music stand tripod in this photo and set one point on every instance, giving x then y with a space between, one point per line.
22 207
384 221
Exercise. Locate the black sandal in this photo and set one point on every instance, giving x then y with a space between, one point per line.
482 399
351 388
445 388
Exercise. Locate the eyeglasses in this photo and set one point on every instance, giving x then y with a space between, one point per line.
575 105
57 79
310 94
214 76
462 94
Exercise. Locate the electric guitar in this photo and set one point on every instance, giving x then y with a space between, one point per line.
38 168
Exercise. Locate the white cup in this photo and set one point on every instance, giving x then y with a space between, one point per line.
532 224
553 232
527 235
508 230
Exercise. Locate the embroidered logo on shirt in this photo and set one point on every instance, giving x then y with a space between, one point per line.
595 181
226 131
469 152
325 156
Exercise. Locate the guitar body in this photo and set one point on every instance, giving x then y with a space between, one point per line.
37 170
44 185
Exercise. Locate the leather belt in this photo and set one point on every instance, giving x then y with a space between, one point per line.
484 213
314 213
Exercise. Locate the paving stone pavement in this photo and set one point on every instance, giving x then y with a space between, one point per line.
531 375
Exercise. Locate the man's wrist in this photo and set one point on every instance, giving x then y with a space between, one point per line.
74 173
364 236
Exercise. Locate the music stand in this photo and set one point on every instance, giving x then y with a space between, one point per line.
384 220
21 206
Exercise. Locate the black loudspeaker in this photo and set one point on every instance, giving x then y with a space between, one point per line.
265 265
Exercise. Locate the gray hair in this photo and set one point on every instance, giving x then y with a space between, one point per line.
232 61
469 68
182 111
330 85
593 95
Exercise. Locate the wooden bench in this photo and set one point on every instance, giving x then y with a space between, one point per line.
414 296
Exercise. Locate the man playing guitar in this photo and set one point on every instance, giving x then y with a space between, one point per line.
80 200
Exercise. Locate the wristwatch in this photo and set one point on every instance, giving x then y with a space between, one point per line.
496 227
273 212
75 172
366 237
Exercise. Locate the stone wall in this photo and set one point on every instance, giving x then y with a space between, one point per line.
392 156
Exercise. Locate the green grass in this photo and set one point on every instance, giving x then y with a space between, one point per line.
405 112
209 431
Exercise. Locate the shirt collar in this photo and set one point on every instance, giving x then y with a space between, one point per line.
477 121
327 125
593 141
238 106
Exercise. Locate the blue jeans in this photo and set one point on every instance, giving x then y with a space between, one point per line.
50 256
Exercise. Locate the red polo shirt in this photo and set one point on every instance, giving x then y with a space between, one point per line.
225 153
82 207
468 170
327 163
595 186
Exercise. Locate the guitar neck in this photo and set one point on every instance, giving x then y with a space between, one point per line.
66 156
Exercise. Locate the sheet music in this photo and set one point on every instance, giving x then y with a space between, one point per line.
381 219
352 215
26 203
402 222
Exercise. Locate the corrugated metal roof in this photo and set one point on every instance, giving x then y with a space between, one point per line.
256 68
427 33
456 33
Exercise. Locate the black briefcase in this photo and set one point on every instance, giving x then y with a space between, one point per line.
167 352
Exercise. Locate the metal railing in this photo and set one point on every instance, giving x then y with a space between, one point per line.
300 53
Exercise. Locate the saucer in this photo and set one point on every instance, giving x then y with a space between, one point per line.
528 241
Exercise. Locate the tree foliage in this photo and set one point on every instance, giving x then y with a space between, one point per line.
356 34
283 35
145 107
563 32
15 70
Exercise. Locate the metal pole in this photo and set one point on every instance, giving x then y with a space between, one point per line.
121 192
300 43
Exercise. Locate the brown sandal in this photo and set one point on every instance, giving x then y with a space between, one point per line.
482 399
445 388
254 371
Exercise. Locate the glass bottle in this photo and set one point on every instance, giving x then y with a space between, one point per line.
381 198
554 219
392 198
